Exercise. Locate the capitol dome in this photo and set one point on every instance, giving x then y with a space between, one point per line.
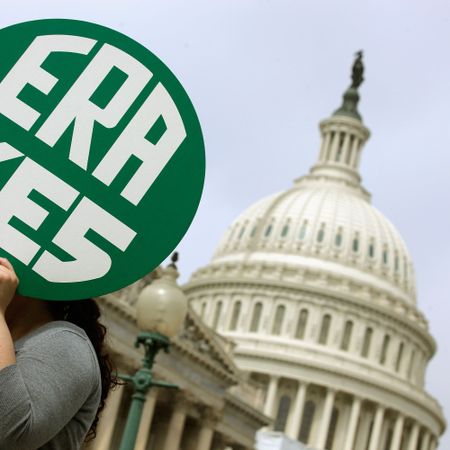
316 289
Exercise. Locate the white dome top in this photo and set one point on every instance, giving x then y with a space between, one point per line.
326 222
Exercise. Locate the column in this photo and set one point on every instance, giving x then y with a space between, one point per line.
269 406
208 421
376 430
352 424
398 431
354 152
325 143
176 426
146 420
325 420
433 444
345 149
205 437
334 146
108 419
425 440
295 418
413 437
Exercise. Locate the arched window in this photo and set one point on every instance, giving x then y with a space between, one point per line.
301 324
202 312
399 357
366 344
241 233
325 329
235 316
278 321
285 231
371 249
253 232
217 315
411 364
385 255
346 337
302 233
321 233
256 317
268 231
355 244
307 421
283 413
384 349
338 238
332 428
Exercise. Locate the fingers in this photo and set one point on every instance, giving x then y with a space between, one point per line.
7 268
4 262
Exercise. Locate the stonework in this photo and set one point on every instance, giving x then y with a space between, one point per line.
316 289
216 406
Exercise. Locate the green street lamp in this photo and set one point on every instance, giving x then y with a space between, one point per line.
161 308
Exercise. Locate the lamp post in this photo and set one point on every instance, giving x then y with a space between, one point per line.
161 308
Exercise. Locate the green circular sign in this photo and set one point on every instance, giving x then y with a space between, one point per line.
101 158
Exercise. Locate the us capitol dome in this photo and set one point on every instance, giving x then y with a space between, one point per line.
315 288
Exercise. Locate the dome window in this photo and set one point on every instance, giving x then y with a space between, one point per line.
321 233
235 316
203 310
217 314
268 231
399 357
278 321
307 421
355 244
241 233
283 413
325 329
256 317
367 341
371 249
253 232
384 349
396 263
338 238
411 364
285 231
302 234
385 255
346 337
301 324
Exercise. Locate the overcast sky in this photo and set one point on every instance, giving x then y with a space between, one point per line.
262 74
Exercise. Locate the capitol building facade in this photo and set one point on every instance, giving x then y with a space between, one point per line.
315 288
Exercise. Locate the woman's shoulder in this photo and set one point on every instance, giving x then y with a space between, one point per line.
59 329
65 342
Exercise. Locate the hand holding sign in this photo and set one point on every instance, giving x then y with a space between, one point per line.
8 284
101 159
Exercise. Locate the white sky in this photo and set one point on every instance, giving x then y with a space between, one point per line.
263 73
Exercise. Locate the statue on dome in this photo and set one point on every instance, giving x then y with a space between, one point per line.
357 70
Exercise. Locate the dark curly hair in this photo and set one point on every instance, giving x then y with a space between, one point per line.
86 314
